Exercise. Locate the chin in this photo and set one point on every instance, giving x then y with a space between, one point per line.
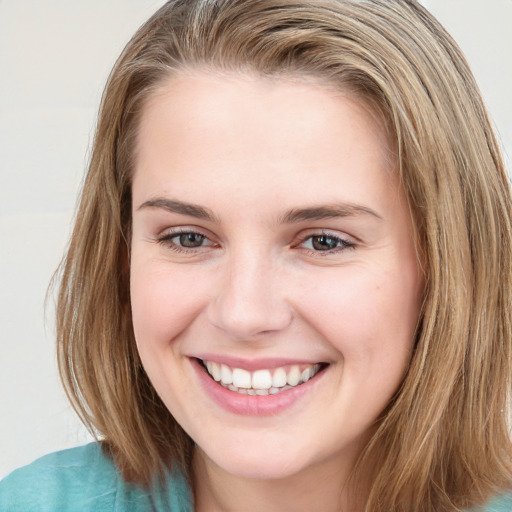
257 464
259 469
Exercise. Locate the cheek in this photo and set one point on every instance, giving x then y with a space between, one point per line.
368 316
165 299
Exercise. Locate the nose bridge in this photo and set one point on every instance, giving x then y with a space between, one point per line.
250 300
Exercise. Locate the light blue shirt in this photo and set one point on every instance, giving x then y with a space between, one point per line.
83 479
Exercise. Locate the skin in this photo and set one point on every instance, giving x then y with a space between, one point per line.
249 151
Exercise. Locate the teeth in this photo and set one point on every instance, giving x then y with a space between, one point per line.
214 370
293 377
225 375
307 374
241 378
279 378
262 379
260 382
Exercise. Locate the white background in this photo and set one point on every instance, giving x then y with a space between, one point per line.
54 58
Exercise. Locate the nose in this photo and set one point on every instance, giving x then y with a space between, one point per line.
251 300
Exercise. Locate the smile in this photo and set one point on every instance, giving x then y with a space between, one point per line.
261 382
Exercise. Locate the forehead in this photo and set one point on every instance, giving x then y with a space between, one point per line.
269 145
206 100
205 91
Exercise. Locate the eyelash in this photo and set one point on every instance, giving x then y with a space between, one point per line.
343 244
166 240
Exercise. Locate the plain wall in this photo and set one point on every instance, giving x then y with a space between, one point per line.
54 58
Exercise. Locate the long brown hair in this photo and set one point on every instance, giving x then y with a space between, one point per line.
443 443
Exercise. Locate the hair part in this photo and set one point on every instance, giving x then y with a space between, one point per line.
443 443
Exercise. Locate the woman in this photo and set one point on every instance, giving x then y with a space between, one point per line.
288 283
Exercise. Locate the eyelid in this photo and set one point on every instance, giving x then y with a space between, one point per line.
182 229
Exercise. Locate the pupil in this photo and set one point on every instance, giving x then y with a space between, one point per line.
191 240
324 243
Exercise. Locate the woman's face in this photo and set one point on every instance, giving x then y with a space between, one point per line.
275 287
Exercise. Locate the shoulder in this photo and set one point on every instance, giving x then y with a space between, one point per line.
65 480
502 503
82 479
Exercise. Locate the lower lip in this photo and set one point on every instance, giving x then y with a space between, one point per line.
252 405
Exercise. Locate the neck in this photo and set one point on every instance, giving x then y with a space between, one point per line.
323 487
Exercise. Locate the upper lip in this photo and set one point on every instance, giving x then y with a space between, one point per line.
255 364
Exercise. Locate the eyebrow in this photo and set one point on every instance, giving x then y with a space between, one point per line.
175 206
327 212
292 216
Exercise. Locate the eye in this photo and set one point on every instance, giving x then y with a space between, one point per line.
189 240
183 241
326 243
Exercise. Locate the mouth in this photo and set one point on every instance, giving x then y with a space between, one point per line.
261 382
